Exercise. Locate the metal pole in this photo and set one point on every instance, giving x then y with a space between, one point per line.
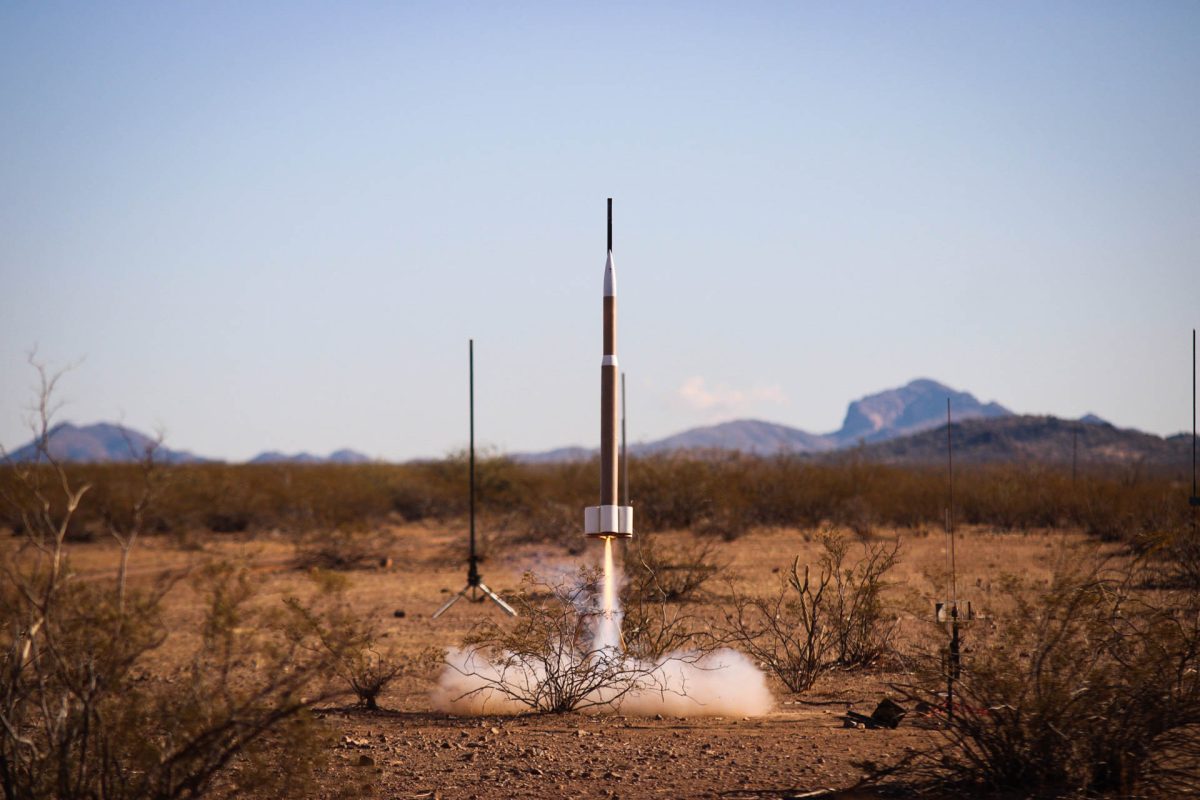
954 641
476 588
473 572
624 451
950 511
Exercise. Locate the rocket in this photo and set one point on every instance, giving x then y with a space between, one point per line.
609 519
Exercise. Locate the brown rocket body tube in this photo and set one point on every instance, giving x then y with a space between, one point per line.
609 518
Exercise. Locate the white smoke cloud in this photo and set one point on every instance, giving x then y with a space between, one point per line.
722 683
682 684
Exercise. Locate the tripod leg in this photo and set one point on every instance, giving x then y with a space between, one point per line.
495 598
451 602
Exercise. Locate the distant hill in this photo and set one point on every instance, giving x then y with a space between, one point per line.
101 443
1046 440
917 406
746 435
105 442
336 457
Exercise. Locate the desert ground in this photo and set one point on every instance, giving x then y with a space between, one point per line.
407 748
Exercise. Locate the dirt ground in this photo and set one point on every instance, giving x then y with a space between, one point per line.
407 749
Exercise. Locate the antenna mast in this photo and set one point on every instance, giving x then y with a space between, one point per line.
952 673
1194 500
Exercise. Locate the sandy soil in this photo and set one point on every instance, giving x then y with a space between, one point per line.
409 750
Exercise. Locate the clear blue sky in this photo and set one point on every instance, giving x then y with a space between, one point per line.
275 226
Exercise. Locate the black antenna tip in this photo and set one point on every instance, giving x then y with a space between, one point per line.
610 224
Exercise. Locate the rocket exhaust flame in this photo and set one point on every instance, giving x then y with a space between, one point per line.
608 628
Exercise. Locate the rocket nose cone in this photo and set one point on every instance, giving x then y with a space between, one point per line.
610 277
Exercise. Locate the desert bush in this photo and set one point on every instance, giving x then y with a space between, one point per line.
661 573
80 716
863 626
653 630
549 659
1088 688
660 598
1183 558
349 639
818 620
339 549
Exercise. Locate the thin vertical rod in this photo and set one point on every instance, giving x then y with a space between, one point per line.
952 673
624 452
1194 493
471 372
950 509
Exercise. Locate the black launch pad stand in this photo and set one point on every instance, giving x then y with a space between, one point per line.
476 590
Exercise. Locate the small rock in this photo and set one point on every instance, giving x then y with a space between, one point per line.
399 613
658 717
386 562
365 761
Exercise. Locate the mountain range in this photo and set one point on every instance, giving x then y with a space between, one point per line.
890 414
907 425
343 456
901 425
102 442
106 442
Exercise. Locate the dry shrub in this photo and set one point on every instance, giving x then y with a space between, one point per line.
349 639
1179 552
816 622
339 549
548 659
80 714
1088 688
662 573
863 623
83 718
549 522
661 594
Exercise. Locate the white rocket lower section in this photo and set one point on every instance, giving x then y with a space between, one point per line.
608 521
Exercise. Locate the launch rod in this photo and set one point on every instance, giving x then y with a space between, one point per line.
1194 500
471 384
610 224
624 452
950 510
954 642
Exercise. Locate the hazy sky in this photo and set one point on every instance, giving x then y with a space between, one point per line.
275 226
